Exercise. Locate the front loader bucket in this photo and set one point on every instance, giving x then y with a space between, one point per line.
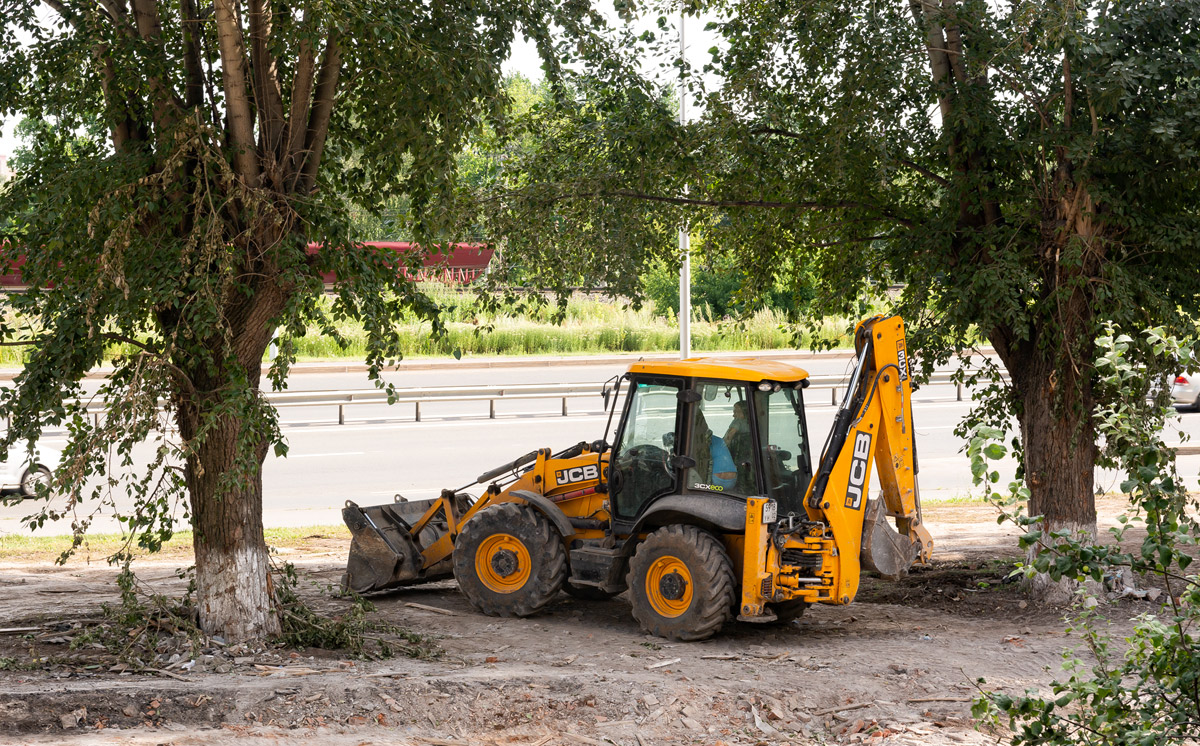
383 552
883 549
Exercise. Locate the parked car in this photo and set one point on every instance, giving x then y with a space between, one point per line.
25 469
1185 393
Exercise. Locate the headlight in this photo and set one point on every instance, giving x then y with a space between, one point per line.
770 511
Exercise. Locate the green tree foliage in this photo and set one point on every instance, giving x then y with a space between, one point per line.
236 132
544 198
718 286
1026 170
1144 689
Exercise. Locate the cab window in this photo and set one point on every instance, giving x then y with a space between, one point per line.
721 441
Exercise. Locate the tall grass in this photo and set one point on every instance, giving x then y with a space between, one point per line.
589 326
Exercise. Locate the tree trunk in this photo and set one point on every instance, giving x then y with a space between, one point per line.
234 596
1060 453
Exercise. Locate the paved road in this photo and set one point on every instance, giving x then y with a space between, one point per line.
381 451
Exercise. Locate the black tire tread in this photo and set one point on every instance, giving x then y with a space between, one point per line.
545 582
715 609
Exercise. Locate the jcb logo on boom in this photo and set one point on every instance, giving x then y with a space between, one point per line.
578 474
858 470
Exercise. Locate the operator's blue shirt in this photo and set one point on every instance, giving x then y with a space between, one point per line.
722 461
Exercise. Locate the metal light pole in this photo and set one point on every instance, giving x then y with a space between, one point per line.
685 267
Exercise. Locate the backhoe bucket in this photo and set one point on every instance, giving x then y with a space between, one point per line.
883 549
383 552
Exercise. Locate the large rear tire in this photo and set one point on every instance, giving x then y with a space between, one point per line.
509 560
681 583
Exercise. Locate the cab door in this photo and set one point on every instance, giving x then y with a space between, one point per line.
643 464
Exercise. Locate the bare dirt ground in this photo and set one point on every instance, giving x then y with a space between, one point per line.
896 667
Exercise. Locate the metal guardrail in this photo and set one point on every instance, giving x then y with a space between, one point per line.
491 394
419 396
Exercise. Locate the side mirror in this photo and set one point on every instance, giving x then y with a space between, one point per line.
607 390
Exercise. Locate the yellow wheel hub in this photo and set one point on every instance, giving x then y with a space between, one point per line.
503 563
669 586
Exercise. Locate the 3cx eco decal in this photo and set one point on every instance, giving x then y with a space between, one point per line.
709 487
902 357
858 470
578 474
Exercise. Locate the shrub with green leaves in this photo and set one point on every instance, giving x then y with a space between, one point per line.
1144 689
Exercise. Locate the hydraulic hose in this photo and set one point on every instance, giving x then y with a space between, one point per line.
528 458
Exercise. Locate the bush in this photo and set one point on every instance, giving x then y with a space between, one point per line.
1147 690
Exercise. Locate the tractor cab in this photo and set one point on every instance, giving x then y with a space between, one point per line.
710 433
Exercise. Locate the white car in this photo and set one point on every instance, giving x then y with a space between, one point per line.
1186 390
25 470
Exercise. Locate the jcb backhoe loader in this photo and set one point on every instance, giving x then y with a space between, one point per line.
704 507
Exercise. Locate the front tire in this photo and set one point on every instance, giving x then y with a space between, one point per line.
32 478
509 561
681 583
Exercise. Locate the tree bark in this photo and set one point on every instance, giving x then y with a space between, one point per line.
1059 440
234 594
322 110
1051 373
237 102
232 564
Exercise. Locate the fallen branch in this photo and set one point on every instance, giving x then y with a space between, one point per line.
938 699
434 609
168 673
284 670
662 664
843 708
19 630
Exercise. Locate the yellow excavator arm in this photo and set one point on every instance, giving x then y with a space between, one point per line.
873 426
820 559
